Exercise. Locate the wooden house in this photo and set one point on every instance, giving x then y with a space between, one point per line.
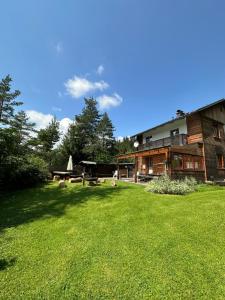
192 144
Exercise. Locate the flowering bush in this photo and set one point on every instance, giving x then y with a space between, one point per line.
165 185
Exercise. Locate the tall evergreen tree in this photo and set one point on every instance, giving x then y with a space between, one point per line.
106 139
90 137
86 129
72 144
21 124
19 165
8 100
49 136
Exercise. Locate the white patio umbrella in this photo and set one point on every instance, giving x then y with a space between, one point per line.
70 164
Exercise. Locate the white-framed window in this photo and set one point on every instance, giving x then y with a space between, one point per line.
174 132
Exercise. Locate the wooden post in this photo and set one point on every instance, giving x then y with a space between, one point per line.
83 180
135 169
169 163
118 171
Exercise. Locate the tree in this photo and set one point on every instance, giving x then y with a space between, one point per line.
73 143
7 100
49 136
46 140
15 138
106 139
89 137
86 129
21 124
124 146
20 164
81 139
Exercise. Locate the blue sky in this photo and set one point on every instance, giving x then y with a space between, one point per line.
142 60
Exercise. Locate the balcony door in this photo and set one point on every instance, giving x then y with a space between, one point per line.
150 165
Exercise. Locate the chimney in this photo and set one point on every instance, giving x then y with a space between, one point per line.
180 113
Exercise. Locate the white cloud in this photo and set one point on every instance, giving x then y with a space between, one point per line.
59 47
79 86
64 125
120 138
106 102
100 70
42 120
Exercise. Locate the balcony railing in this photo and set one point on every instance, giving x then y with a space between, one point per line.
180 139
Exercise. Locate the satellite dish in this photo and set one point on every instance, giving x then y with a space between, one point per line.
136 144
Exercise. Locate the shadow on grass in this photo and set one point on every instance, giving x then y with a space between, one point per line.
4 263
31 204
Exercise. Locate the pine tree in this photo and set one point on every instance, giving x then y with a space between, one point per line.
49 136
20 123
106 139
90 137
7 100
72 144
86 129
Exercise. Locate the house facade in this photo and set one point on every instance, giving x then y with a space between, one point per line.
192 144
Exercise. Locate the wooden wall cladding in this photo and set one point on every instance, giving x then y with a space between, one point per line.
194 149
198 175
195 138
208 132
194 129
159 164
213 146
216 113
194 125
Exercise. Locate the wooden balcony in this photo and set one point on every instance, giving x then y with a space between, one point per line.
177 140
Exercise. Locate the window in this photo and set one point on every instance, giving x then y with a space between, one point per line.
150 164
197 165
189 165
148 139
174 132
186 162
217 132
177 161
220 161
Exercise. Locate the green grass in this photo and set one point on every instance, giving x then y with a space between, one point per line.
112 243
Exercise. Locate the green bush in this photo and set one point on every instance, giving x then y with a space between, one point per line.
21 172
165 185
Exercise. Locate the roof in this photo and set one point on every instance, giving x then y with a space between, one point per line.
86 162
183 117
208 106
168 122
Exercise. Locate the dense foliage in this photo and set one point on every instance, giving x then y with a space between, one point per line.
165 185
21 164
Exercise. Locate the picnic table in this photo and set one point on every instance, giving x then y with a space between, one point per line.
93 180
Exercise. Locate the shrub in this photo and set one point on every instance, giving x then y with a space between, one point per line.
26 171
164 185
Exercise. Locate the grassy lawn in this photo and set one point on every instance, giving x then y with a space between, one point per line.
112 243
